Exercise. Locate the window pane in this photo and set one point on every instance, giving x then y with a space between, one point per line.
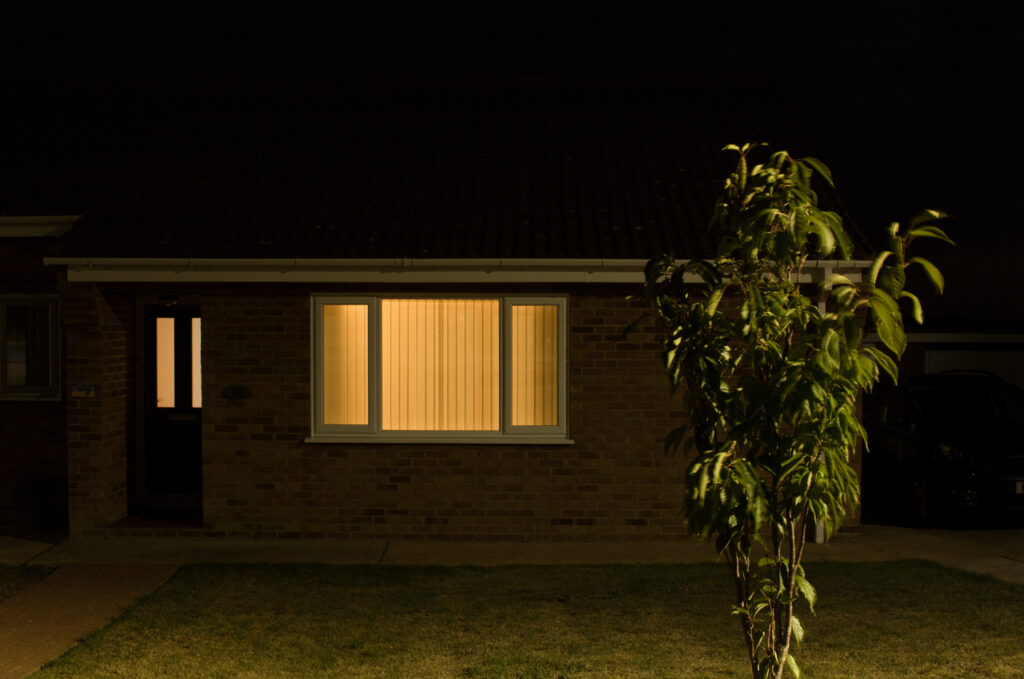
534 365
439 364
346 364
27 345
164 362
197 370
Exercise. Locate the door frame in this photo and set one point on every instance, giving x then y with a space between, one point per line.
136 467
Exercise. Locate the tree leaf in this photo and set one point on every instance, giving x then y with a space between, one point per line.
876 266
798 630
821 168
932 271
926 216
885 362
793 667
915 305
929 232
807 590
888 321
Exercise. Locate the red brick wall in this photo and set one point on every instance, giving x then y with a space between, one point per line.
261 478
99 343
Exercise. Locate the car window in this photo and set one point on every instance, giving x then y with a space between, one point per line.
1010 404
950 407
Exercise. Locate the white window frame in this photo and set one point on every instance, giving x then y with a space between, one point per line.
372 431
50 391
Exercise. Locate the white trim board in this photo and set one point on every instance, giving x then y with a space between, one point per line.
395 270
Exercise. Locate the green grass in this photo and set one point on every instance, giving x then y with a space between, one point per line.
16 578
898 619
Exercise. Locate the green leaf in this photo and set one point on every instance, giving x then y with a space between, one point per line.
926 216
932 271
808 592
888 321
915 305
884 361
929 232
793 667
876 266
892 279
798 630
826 239
821 168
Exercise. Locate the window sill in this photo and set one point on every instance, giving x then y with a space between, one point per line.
510 440
30 397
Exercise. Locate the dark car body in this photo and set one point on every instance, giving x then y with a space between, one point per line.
944 449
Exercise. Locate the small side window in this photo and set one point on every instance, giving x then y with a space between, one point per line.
28 347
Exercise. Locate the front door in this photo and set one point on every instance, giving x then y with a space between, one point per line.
169 474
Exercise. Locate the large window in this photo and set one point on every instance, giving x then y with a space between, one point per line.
419 368
28 347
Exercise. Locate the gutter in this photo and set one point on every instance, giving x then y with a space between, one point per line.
386 270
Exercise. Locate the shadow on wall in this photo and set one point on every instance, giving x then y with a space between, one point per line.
42 504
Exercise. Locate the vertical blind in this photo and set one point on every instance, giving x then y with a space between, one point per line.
534 365
346 364
440 362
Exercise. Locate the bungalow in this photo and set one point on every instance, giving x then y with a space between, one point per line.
390 313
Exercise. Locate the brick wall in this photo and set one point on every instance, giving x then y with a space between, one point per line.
99 342
261 478
33 458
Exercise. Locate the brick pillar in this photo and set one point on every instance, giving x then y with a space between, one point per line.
99 346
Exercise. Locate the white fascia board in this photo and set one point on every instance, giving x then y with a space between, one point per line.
37 226
955 338
383 270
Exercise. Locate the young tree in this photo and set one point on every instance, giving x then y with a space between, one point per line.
771 381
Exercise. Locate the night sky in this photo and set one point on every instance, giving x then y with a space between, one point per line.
913 104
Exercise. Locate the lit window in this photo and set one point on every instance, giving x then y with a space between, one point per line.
453 368
173 367
28 347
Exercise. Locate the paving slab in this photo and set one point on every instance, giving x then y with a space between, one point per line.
412 553
15 551
41 622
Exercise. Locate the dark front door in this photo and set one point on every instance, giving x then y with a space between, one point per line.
170 466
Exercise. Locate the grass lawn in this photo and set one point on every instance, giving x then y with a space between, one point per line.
896 619
16 578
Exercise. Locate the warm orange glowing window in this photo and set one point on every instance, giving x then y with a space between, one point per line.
166 367
422 368
440 363
164 362
346 364
197 368
534 365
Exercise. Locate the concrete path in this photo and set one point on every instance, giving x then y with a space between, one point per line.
40 623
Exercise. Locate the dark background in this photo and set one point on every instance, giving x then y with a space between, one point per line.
912 104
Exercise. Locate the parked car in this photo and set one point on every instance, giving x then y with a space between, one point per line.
945 449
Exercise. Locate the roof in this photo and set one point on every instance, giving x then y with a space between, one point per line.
481 170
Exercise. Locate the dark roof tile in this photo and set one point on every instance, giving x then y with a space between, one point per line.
424 170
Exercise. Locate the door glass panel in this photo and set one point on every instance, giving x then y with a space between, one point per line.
164 362
197 372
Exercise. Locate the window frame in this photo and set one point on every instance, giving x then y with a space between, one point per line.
372 432
52 390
